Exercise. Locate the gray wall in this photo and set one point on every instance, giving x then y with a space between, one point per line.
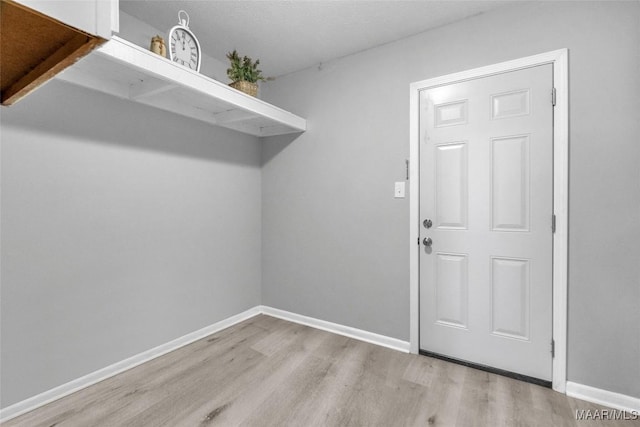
335 241
123 227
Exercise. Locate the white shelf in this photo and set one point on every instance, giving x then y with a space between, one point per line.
128 71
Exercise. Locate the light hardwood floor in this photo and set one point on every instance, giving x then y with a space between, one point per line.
270 372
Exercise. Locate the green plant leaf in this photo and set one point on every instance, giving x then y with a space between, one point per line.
243 68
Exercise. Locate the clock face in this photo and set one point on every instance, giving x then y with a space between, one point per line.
184 48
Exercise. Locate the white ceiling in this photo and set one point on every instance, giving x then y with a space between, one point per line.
292 35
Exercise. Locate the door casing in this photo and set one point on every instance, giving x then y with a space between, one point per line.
559 60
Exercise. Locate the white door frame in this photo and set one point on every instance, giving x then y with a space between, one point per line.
559 59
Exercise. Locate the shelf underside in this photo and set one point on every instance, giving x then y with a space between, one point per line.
127 71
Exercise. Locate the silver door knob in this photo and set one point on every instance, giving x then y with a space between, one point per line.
427 223
427 241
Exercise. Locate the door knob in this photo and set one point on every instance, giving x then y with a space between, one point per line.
427 223
427 241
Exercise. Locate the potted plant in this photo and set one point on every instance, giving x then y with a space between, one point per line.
244 73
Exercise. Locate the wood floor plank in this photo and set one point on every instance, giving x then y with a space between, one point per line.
270 372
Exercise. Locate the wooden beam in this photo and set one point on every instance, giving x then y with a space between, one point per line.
37 57
67 55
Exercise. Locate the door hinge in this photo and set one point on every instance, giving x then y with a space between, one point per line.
406 165
553 96
553 349
553 223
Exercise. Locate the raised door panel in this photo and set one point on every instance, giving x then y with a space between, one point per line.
451 177
452 290
451 113
510 104
510 297
510 183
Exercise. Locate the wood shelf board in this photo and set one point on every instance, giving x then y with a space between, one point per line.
34 48
123 69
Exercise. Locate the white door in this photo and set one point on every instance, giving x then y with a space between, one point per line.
486 188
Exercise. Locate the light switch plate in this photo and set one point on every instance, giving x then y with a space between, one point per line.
399 190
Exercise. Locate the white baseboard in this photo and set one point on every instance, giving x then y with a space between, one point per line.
102 374
603 397
336 328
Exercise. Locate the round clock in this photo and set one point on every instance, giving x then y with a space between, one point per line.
184 47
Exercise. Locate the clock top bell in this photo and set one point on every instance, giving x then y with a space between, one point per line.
183 20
